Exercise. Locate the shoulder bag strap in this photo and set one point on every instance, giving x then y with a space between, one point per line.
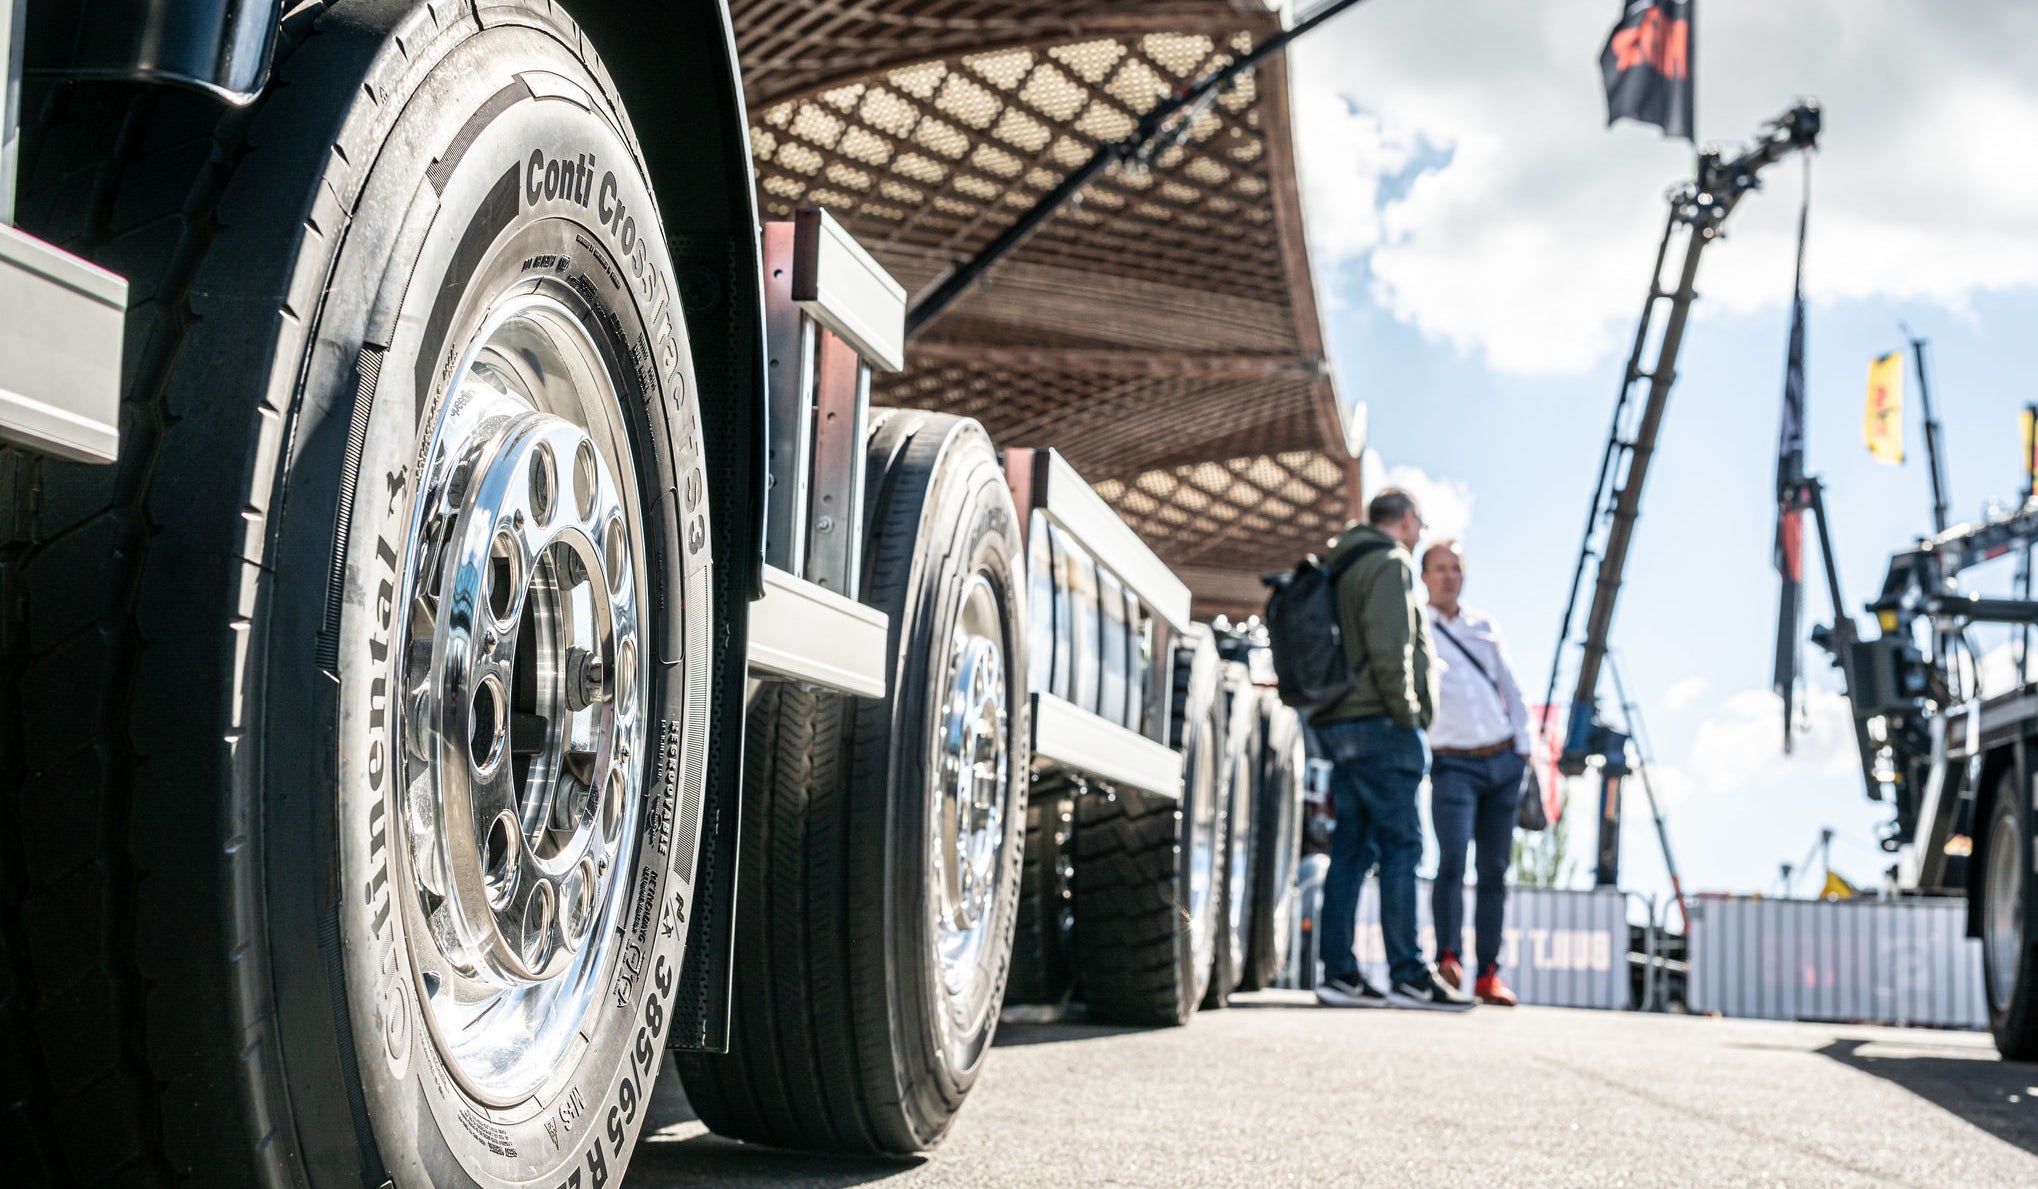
1467 654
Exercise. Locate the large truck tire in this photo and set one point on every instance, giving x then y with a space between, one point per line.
882 837
1042 973
1277 843
1145 869
353 723
2009 955
1237 849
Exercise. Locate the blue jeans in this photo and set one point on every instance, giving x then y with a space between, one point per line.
1376 768
1473 800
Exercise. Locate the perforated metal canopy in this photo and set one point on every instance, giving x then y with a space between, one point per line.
1163 334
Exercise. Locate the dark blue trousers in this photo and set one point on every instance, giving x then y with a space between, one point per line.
1473 801
1376 770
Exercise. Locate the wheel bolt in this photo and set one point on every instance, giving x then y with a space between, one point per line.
584 673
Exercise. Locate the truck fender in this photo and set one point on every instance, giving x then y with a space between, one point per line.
675 66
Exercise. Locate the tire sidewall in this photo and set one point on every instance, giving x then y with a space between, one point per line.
1242 826
1203 726
445 168
2011 1022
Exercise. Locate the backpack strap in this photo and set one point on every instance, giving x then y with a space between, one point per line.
1338 566
1337 570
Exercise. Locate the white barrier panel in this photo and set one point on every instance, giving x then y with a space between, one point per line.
1899 962
1559 948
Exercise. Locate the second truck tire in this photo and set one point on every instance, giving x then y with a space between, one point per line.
1145 869
1277 843
1238 846
2009 957
880 873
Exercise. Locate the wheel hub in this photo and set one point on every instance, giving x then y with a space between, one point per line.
523 705
971 785
2003 910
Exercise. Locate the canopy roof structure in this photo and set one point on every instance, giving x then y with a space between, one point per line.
1163 333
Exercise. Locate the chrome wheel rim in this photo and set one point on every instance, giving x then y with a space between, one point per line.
523 699
2003 916
971 781
1237 871
1202 856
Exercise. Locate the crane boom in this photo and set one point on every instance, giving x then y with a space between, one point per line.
1701 207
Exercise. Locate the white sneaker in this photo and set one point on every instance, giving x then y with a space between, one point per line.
1349 990
1427 992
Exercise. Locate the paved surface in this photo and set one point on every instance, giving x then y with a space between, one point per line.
1276 1091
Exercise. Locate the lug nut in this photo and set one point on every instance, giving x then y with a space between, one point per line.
584 673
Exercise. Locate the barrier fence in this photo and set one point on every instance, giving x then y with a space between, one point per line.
1560 948
1893 962
1857 961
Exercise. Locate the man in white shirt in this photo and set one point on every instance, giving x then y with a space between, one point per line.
1480 741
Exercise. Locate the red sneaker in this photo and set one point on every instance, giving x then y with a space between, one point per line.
1491 989
1451 971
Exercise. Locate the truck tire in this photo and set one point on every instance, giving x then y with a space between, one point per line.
1277 844
1041 969
1238 850
882 836
352 723
2009 957
1145 903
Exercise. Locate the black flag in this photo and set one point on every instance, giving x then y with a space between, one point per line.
1793 496
1647 64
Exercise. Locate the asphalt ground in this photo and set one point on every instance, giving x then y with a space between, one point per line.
1278 1091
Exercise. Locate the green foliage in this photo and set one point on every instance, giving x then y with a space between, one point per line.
1543 859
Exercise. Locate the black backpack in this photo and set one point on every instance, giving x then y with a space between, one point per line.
1303 631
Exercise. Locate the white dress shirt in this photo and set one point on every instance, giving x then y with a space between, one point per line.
1471 712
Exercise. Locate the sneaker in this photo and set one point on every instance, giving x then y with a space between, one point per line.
1427 992
1491 988
1349 990
1451 971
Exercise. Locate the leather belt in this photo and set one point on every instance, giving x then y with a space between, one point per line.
1474 753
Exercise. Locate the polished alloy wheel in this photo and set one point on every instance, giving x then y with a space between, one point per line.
523 698
972 781
1202 857
2002 924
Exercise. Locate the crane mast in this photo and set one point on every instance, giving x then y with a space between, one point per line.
1700 207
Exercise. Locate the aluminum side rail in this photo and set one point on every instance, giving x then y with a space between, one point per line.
1100 609
1067 736
800 631
832 315
61 319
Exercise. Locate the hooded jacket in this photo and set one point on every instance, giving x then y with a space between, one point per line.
1384 631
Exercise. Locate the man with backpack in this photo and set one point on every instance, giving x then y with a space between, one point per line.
1480 741
1373 734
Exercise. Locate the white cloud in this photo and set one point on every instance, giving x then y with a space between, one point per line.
1741 746
1446 503
1526 228
1683 695
1674 786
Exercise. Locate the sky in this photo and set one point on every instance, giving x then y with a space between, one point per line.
1482 243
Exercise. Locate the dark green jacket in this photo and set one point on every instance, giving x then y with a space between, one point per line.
1385 629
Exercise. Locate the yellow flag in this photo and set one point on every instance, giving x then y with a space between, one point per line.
1837 888
2029 420
1883 424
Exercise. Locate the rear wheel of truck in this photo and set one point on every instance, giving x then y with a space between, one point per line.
1238 849
2009 957
1145 869
353 721
1277 844
882 836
